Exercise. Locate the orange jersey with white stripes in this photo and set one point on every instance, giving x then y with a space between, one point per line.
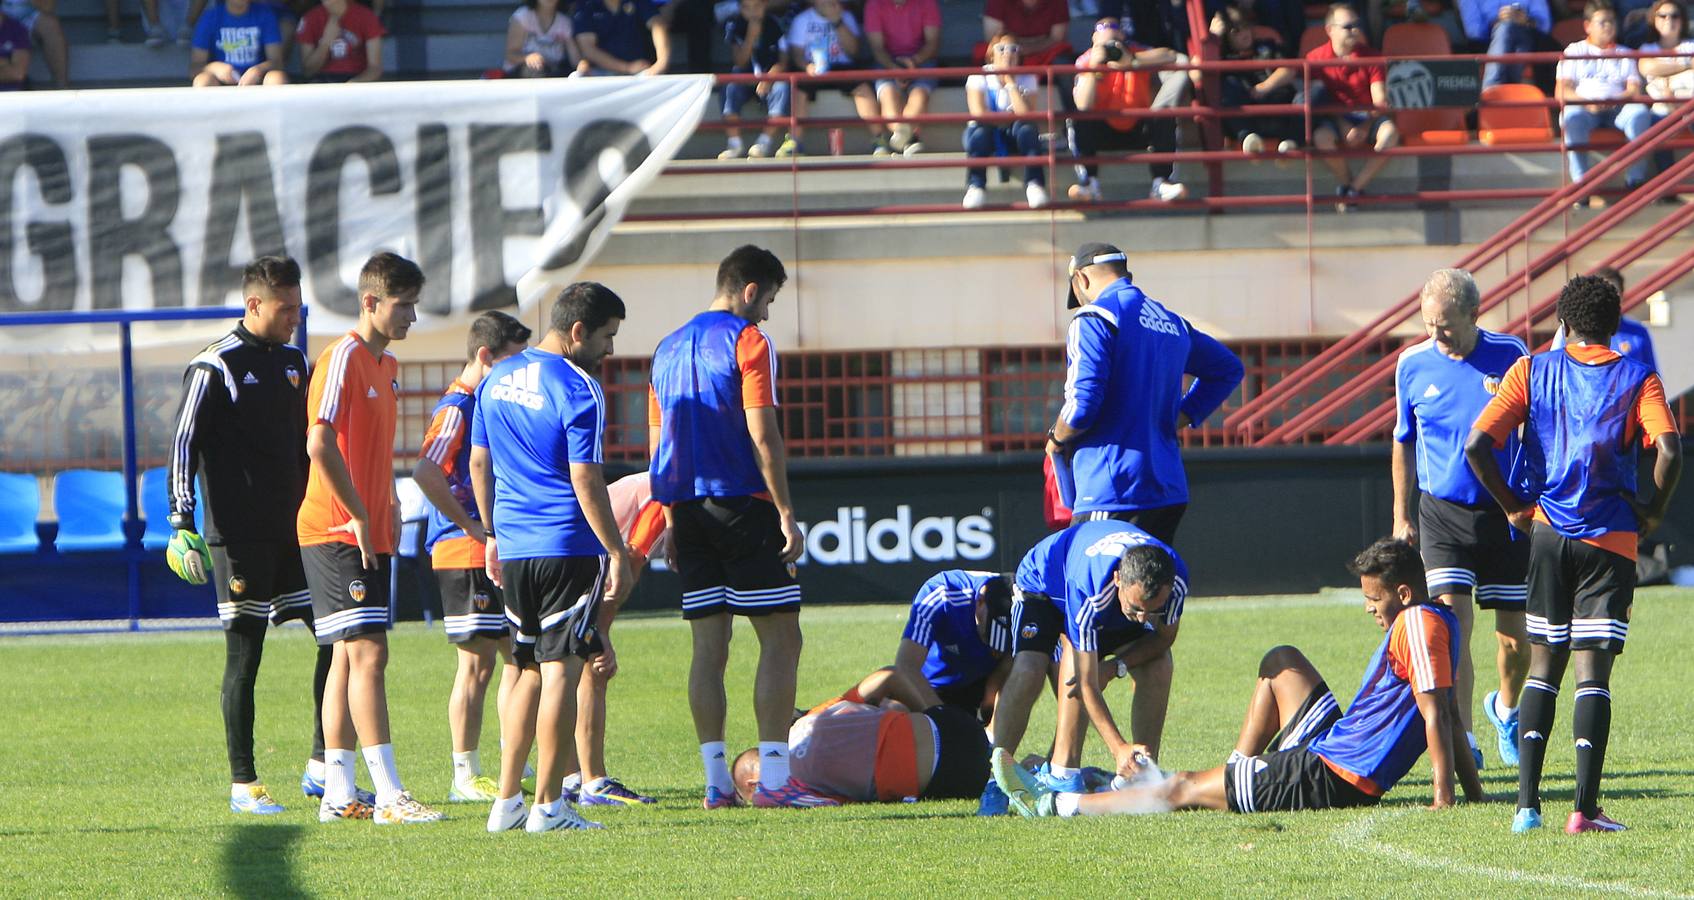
356 393
447 444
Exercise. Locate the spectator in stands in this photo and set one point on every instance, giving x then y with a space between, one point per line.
1259 86
610 35
540 42
997 91
697 22
155 29
1116 85
756 46
237 42
45 34
14 53
1287 17
828 37
1038 27
904 34
287 14
1669 79
1363 87
341 41
1501 27
1591 72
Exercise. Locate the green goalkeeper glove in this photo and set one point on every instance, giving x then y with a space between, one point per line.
188 557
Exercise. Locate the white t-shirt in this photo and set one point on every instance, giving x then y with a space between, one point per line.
551 43
1675 87
813 30
1599 74
995 92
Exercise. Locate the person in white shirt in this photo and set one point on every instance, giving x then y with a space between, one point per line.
998 91
1591 71
540 42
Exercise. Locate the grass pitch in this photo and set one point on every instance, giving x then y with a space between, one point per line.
114 783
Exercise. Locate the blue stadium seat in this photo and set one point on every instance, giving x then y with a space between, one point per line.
90 506
20 505
156 508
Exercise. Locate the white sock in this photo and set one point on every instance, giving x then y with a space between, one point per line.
735 143
1065 804
239 791
379 759
550 809
1063 771
594 786
1235 756
315 769
466 765
765 140
573 782
338 776
1502 710
717 767
510 804
773 764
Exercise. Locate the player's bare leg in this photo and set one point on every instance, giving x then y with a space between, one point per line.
339 733
519 702
470 688
706 700
1151 701
1286 679
591 725
1017 699
1071 731
779 668
555 726
1464 686
367 688
1183 790
1512 658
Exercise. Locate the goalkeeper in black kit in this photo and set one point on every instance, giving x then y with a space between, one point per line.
242 428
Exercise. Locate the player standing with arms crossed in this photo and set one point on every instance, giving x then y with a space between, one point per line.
553 545
1440 386
1584 410
472 610
718 465
242 426
348 527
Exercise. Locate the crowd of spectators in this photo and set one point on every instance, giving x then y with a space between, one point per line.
1133 61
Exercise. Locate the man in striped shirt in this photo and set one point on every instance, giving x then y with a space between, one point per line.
472 609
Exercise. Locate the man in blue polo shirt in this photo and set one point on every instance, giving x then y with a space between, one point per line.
612 35
1125 358
956 648
553 543
1440 386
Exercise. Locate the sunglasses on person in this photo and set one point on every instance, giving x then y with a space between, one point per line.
1107 26
1349 26
1007 48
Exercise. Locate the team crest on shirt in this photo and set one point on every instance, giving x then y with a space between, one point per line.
1029 631
1491 384
1623 347
356 590
481 600
293 376
237 584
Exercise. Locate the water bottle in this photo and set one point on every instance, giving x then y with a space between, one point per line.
820 56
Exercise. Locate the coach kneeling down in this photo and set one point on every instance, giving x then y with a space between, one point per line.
866 746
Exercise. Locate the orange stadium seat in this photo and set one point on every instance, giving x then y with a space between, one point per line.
1568 32
1513 125
1312 38
1425 127
1416 39
1267 33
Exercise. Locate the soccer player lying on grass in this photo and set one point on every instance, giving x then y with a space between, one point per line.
866 746
956 648
1319 758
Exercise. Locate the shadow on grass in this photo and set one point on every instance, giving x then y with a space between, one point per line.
258 861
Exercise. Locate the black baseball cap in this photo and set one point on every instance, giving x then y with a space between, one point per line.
1091 254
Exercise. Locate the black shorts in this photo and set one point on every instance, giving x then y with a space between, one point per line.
1472 550
347 598
846 88
961 754
553 603
1114 641
1160 522
966 695
471 606
260 580
729 555
1289 776
1579 595
1037 623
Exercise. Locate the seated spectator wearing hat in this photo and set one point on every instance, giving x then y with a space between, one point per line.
1356 86
621 37
42 31
1038 26
1593 70
237 42
904 36
541 42
341 41
999 91
1118 84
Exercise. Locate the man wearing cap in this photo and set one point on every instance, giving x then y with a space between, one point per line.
1125 358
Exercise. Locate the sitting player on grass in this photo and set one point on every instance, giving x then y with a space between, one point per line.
866 746
1319 758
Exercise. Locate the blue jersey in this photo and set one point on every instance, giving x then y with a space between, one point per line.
1074 568
537 413
1436 401
1634 342
1125 358
943 618
446 446
1577 441
1382 734
706 375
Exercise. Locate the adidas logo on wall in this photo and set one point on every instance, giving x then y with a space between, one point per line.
520 386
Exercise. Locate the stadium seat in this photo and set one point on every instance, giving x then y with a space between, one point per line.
1312 38
1513 125
90 507
20 506
1425 127
156 508
1268 34
1569 32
